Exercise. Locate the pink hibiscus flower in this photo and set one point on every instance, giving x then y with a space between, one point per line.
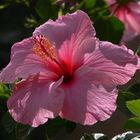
128 11
66 71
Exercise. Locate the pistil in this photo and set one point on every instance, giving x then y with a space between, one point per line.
45 49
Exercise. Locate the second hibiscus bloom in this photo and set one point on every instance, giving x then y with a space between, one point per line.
128 11
66 71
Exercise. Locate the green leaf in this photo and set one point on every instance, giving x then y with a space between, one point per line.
90 3
135 89
23 131
4 91
46 10
138 51
109 29
8 123
132 123
3 6
70 126
54 126
134 106
122 98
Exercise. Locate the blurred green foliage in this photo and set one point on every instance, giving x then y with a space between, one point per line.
134 107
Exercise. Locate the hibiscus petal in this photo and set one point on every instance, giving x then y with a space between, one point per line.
119 68
35 100
85 103
72 54
129 32
97 77
23 62
133 19
135 7
129 14
58 31
87 47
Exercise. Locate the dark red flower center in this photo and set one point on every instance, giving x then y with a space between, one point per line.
46 50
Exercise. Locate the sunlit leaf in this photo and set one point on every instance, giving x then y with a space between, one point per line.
4 91
3 6
123 97
134 106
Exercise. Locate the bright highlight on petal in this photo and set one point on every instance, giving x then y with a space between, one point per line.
66 71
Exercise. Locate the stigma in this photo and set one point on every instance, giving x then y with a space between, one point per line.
44 48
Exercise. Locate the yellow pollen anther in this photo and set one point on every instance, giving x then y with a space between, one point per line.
44 48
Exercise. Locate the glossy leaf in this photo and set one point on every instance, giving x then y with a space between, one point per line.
132 123
4 91
123 97
134 106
